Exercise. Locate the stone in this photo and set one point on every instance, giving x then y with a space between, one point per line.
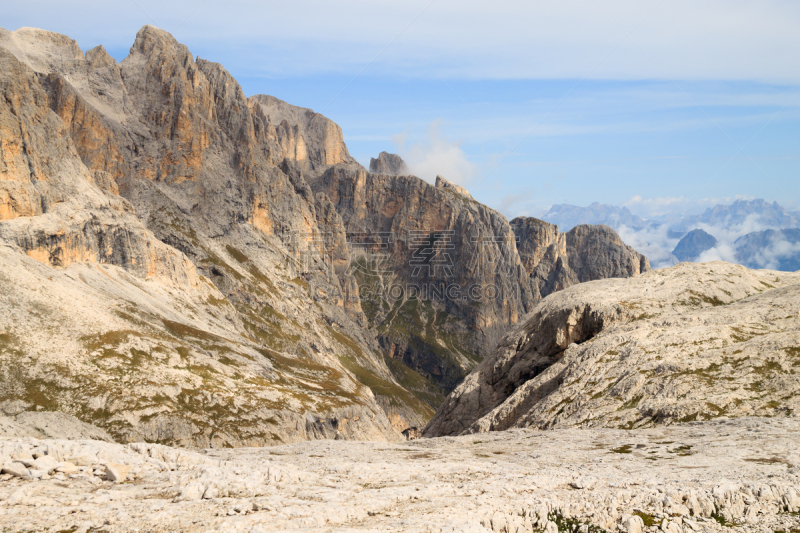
633 524
192 491
46 463
116 473
82 460
211 492
519 480
16 469
67 468
37 474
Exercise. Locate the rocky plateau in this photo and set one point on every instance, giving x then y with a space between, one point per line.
719 476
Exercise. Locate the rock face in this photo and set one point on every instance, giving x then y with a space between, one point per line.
693 244
313 141
558 260
742 473
160 246
444 184
50 425
388 164
692 342
440 277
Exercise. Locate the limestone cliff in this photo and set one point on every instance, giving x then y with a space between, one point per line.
452 275
445 184
440 276
180 247
692 342
558 260
312 140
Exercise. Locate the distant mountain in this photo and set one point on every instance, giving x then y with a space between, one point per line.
568 216
767 215
693 244
773 249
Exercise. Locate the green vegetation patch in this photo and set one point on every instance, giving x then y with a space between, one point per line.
720 519
182 331
696 299
415 383
572 525
236 254
682 450
633 402
648 519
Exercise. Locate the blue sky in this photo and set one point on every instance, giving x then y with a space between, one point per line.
657 105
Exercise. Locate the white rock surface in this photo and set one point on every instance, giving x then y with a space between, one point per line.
677 479
691 342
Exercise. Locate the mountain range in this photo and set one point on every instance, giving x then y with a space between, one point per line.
187 265
754 233
185 270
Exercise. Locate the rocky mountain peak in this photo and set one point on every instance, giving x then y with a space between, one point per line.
312 140
99 57
153 41
389 164
245 214
43 51
558 260
693 244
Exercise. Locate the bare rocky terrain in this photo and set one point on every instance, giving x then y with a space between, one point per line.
557 260
725 475
691 342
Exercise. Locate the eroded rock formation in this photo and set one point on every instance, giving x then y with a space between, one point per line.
449 281
558 260
389 164
692 342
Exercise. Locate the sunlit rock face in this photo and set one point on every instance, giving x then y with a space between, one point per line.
691 342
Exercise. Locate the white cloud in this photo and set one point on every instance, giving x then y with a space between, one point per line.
654 243
436 156
657 245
